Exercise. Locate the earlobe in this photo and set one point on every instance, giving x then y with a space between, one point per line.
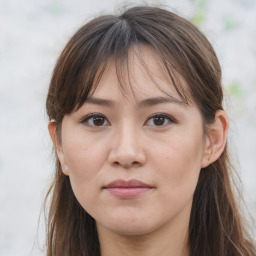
216 139
58 148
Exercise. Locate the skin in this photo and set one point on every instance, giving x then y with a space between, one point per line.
129 144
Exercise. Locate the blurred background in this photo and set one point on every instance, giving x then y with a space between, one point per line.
32 34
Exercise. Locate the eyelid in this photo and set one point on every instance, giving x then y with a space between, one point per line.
85 119
166 116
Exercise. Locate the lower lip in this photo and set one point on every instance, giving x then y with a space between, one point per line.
128 192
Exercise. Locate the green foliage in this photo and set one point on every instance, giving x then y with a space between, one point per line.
235 90
32 16
200 4
199 18
54 9
200 12
230 23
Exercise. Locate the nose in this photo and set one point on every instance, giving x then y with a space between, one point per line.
126 148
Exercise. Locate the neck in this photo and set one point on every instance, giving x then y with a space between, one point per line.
160 242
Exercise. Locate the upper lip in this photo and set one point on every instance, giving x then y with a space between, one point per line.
133 183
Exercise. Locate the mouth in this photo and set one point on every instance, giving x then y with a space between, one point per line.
127 189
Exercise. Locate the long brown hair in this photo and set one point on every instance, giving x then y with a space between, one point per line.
216 227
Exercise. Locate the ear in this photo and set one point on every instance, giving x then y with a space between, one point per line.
58 148
216 139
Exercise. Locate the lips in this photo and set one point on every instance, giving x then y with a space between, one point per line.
127 189
127 184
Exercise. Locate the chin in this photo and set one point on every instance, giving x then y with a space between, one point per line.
131 226
132 230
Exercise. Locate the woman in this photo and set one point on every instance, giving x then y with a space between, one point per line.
136 118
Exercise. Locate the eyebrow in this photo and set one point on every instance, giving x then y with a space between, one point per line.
160 100
144 103
99 101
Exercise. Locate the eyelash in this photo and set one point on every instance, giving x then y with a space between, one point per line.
167 119
91 117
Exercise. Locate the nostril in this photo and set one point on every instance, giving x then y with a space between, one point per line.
136 163
127 157
127 164
116 163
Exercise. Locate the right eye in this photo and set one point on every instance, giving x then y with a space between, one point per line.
95 120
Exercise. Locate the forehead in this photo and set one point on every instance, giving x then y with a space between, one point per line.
141 75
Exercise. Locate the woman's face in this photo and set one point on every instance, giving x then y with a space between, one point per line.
134 158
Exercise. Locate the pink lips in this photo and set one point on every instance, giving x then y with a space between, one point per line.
127 189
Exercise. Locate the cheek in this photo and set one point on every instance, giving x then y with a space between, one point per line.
85 161
83 154
179 162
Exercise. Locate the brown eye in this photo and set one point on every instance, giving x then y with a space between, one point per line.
95 120
159 120
98 120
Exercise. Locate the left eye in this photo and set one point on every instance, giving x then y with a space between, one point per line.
159 120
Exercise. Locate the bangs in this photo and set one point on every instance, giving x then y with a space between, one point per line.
112 38
113 42
124 64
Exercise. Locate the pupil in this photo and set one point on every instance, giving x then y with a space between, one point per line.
98 121
159 120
